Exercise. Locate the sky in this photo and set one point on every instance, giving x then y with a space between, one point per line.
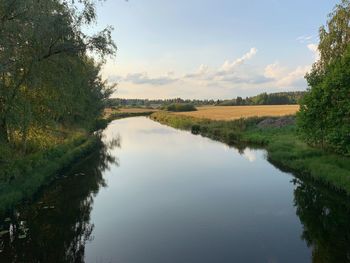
211 49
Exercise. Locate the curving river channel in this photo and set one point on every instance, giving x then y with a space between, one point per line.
153 194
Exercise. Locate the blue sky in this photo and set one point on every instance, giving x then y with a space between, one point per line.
211 49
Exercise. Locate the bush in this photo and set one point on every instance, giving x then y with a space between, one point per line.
325 111
196 129
233 137
99 124
180 107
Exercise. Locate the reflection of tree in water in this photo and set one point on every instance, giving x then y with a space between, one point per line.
326 219
59 222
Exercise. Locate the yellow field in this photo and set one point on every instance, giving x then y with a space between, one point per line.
236 112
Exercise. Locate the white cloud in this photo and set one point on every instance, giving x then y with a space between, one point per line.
250 155
304 38
235 78
228 66
284 77
274 71
293 77
201 73
229 72
314 49
143 78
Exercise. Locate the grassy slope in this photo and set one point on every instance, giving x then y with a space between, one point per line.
120 115
282 144
22 177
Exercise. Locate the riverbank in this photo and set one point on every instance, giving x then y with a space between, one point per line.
120 115
283 146
22 177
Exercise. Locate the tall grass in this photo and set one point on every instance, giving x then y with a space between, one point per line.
119 115
21 178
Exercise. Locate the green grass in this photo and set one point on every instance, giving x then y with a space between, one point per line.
23 177
285 149
121 115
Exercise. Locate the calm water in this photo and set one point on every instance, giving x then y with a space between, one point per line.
153 194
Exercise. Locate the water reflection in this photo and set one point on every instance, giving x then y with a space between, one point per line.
249 155
57 226
177 198
325 216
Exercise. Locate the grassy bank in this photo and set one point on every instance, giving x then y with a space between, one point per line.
284 148
22 177
119 115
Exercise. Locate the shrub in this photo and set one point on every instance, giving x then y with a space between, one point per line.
196 129
180 107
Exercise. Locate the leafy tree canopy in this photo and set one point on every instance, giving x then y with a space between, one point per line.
324 118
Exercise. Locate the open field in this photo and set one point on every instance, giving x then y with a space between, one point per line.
237 112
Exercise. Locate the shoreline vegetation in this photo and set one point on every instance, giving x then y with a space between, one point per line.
23 177
52 94
284 148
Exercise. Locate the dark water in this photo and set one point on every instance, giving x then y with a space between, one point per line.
153 194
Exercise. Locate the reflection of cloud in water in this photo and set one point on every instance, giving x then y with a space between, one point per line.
250 155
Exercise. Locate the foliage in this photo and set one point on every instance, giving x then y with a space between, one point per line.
280 98
325 110
21 178
324 215
180 107
46 76
51 91
120 115
156 103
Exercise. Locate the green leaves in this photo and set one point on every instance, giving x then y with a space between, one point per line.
324 117
46 76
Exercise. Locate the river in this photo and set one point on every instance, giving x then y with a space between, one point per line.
154 194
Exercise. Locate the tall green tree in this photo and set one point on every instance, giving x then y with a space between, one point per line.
324 117
45 71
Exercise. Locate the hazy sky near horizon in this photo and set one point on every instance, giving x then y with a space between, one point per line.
211 48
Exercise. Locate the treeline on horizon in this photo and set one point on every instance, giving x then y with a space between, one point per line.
279 98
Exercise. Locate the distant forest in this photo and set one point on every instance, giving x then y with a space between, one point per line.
280 98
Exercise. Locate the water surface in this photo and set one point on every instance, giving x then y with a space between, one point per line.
153 194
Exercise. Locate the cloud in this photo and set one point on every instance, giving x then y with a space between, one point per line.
244 75
228 66
284 77
274 71
304 38
235 78
293 77
201 73
230 72
250 155
143 78
314 49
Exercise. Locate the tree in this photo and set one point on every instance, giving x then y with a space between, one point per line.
324 117
44 67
